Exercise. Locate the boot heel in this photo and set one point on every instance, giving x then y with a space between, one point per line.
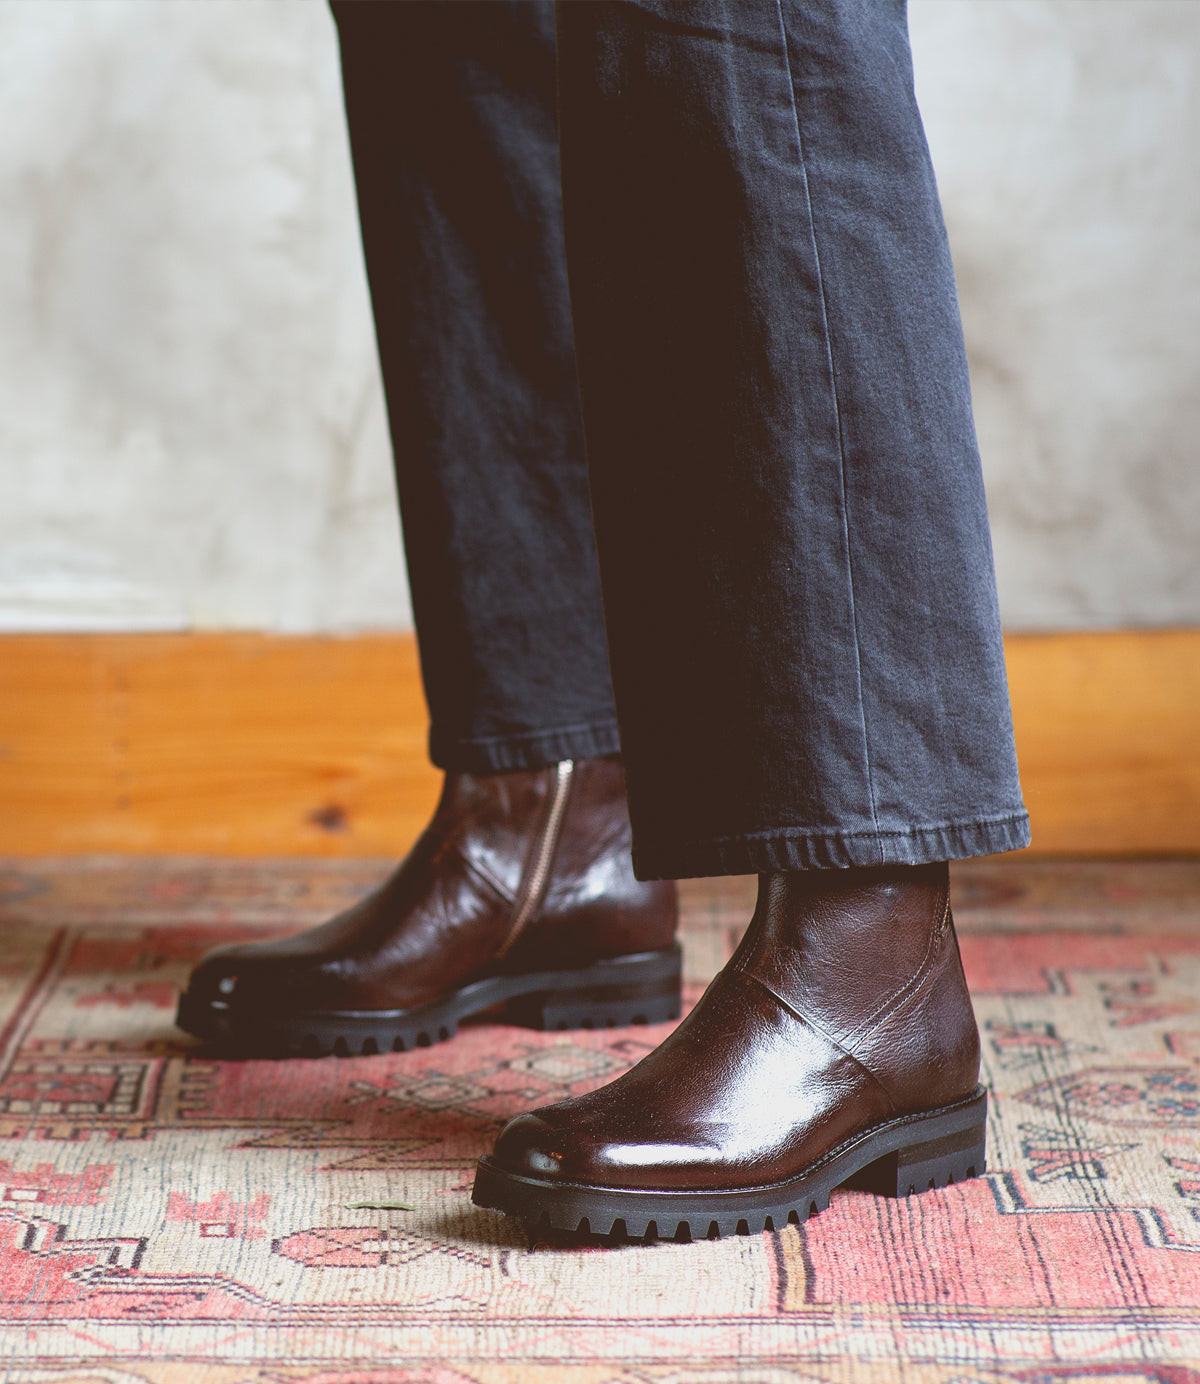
637 990
920 1167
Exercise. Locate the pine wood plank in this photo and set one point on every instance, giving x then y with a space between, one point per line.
246 744
235 744
1108 739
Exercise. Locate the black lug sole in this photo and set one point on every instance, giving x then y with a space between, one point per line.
915 1153
642 988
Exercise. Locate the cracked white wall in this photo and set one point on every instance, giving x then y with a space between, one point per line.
1065 136
191 427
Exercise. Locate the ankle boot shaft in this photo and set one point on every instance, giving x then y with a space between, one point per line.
588 901
870 957
845 939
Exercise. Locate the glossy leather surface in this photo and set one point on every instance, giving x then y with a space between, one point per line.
844 1005
445 916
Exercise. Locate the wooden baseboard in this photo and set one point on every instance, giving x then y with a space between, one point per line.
246 744
1108 740
236 744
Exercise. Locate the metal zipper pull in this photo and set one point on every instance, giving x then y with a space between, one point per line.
534 888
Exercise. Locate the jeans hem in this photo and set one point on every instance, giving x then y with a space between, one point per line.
537 750
786 849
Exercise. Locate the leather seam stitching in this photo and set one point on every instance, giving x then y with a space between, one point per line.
486 876
819 1028
893 1001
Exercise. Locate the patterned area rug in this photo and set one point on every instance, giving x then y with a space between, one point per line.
167 1218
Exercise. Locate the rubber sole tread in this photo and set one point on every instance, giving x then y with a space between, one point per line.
623 1230
905 1157
644 988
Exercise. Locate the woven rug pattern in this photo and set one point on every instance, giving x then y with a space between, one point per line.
165 1217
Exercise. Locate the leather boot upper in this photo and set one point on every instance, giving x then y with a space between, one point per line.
844 1006
528 870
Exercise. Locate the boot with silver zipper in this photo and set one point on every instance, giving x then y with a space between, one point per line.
520 893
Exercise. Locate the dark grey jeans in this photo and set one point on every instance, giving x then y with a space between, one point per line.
751 285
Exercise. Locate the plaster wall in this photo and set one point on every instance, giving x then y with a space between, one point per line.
1064 133
191 423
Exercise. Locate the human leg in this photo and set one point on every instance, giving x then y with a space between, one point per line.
521 889
801 608
788 501
451 111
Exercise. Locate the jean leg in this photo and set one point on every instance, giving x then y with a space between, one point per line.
789 509
451 110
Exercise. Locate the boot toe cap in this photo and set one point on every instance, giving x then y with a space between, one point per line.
231 971
216 974
531 1147
247 977
560 1143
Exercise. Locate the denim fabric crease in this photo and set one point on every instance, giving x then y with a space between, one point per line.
681 418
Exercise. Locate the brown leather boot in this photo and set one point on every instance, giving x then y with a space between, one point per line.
838 1047
520 891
